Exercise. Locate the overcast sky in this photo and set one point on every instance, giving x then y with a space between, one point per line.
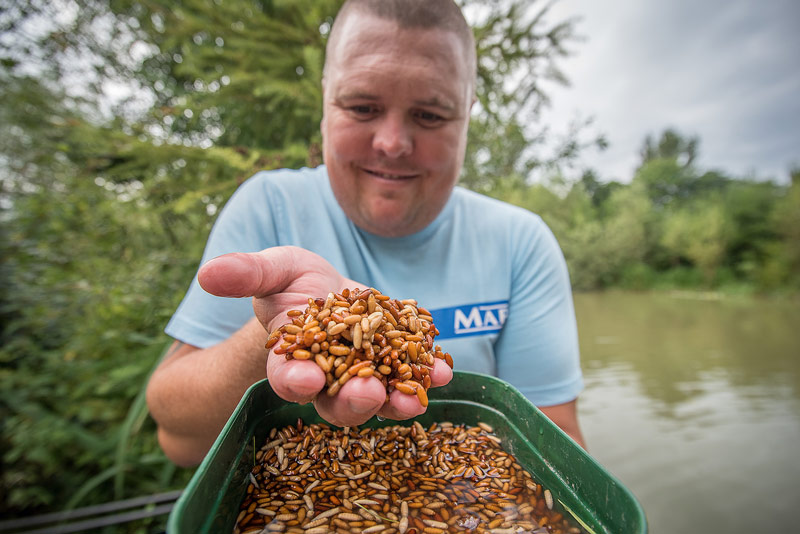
727 71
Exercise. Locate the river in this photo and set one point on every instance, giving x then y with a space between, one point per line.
693 402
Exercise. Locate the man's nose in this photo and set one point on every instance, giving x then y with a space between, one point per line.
393 137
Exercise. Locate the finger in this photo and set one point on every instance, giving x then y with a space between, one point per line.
441 374
401 406
294 380
256 274
354 404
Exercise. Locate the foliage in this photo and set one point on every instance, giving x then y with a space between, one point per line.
671 145
697 235
782 255
88 281
672 225
518 53
106 202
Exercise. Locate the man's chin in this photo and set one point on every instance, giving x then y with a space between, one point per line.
386 224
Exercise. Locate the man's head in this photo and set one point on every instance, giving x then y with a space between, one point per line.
398 85
437 15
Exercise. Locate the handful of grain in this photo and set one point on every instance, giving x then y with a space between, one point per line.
364 333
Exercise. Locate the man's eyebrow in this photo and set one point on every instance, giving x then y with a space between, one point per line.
355 95
436 102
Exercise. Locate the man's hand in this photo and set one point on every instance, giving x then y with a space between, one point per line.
281 279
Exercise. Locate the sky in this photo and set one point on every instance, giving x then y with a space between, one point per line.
726 71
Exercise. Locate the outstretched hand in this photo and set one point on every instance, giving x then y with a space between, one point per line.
281 279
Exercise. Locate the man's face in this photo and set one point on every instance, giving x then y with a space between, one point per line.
394 128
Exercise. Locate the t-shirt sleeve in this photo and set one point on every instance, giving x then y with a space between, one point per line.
537 350
245 224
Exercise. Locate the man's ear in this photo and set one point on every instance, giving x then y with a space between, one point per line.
322 122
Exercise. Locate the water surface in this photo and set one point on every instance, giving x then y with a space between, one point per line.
693 402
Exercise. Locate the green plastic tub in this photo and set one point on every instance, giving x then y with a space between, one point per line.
582 488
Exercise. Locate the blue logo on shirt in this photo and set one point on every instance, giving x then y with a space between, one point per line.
470 319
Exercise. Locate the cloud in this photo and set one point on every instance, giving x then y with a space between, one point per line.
725 71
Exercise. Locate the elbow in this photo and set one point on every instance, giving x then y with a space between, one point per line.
181 450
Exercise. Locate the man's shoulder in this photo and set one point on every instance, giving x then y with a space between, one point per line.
287 178
491 209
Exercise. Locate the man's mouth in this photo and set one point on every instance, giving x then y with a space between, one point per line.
390 175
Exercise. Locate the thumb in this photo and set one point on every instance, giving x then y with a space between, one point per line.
256 274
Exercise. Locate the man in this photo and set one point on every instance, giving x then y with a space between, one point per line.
384 212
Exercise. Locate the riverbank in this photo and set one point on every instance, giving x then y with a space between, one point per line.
727 292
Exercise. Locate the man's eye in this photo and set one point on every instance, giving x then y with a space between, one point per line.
362 110
428 118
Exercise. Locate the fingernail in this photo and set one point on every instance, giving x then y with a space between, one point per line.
363 404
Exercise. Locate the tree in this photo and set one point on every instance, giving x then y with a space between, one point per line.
598 190
519 49
666 181
699 235
668 172
782 264
749 210
671 146
601 243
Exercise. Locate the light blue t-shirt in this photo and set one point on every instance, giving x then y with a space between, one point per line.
491 274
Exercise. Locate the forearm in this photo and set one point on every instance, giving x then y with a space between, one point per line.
566 417
194 391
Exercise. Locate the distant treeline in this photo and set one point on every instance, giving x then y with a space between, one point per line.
672 225
106 203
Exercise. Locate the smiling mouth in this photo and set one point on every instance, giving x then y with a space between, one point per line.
390 176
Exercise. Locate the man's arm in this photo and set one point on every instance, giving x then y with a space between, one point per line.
193 392
566 417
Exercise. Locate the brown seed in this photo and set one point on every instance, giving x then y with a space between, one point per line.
341 369
322 361
333 389
301 354
403 387
356 367
339 350
344 378
350 320
357 336
334 329
485 427
365 372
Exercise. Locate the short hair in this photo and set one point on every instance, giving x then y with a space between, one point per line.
408 14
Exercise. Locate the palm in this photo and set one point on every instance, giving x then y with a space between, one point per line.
282 279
